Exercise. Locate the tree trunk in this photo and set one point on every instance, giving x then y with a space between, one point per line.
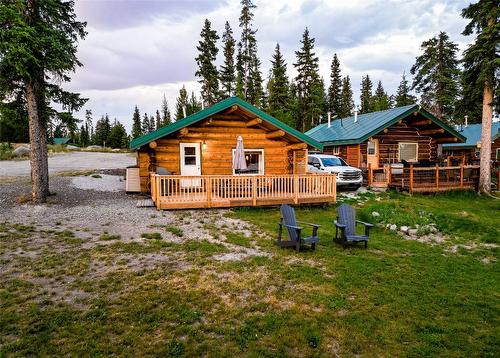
38 143
485 154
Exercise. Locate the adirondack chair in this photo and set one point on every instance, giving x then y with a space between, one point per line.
346 222
295 232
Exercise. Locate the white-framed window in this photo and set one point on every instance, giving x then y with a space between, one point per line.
336 150
371 147
408 152
255 162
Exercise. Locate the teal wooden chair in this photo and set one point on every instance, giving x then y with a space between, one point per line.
295 238
346 224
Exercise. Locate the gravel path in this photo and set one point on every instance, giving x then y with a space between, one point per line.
74 161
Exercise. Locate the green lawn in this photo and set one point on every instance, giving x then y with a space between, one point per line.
398 298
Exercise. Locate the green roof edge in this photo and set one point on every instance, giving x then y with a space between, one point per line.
198 116
425 113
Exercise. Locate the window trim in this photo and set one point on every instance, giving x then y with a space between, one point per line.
261 163
374 142
336 150
497 157
416 151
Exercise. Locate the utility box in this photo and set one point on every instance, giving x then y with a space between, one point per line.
133 181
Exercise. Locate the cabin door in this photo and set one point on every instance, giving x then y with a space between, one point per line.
372 153
190 164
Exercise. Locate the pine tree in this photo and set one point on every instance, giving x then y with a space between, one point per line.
255 91
247 48
365 97
403 96
38 47
116 136
335 89
436 75
240 75
194 105
380 99
310 105
158 120
346 102
166 118
145 124
181 103
102 130
152 124
136 124
481 69
278 89
226 73
207 71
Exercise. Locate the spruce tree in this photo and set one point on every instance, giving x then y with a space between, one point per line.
403 96
255 92
278 89
346 102
38 47
365 97
136 124
145 124
226 73
166 118
116 136
436 75
207 71
102 130
158 120
194 105
239 89
310 104
181 103
335 89
247 48
380 99
481 74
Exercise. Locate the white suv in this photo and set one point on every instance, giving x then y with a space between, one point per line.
346 175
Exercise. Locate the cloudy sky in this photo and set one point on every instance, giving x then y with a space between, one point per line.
138 50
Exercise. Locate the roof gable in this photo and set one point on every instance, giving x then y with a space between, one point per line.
216 108
346 131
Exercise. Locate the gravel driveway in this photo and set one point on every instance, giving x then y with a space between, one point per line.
64 162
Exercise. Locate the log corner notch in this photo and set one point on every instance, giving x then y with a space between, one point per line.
184 131
275 134
431 131
297 146
153 144
233 108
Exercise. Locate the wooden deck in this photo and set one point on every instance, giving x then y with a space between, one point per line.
425 179
209 191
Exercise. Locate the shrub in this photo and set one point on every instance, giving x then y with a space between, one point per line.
6 151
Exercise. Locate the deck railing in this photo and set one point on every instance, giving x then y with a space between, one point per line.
206 191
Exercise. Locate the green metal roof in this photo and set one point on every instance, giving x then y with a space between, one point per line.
61 140
472 133
216 108
346 131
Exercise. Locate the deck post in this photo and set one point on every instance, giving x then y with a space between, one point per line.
370 174
254 191
158 192
209 191
411 178
389 175
461 175
296 189
437 177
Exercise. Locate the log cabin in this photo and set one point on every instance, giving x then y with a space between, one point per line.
189 164
404 134
469 150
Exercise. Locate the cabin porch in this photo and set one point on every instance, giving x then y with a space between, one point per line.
218 191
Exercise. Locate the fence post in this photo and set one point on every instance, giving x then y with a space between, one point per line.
296 189
411 178
158 192
389 175
461 175
437 177
370 174
254 190
209 190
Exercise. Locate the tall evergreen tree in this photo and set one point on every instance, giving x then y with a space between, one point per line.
380 99
207 71
481 72
38 46
335 89
181 103
403 96
240 75
159 122
278 89
247 47
365 97
136 124
152 124
117 137
226 73
436 75
310 104
346 101
255 92
166 118
102 130
194 105
145 124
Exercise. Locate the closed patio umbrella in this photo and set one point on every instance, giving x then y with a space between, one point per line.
239 161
